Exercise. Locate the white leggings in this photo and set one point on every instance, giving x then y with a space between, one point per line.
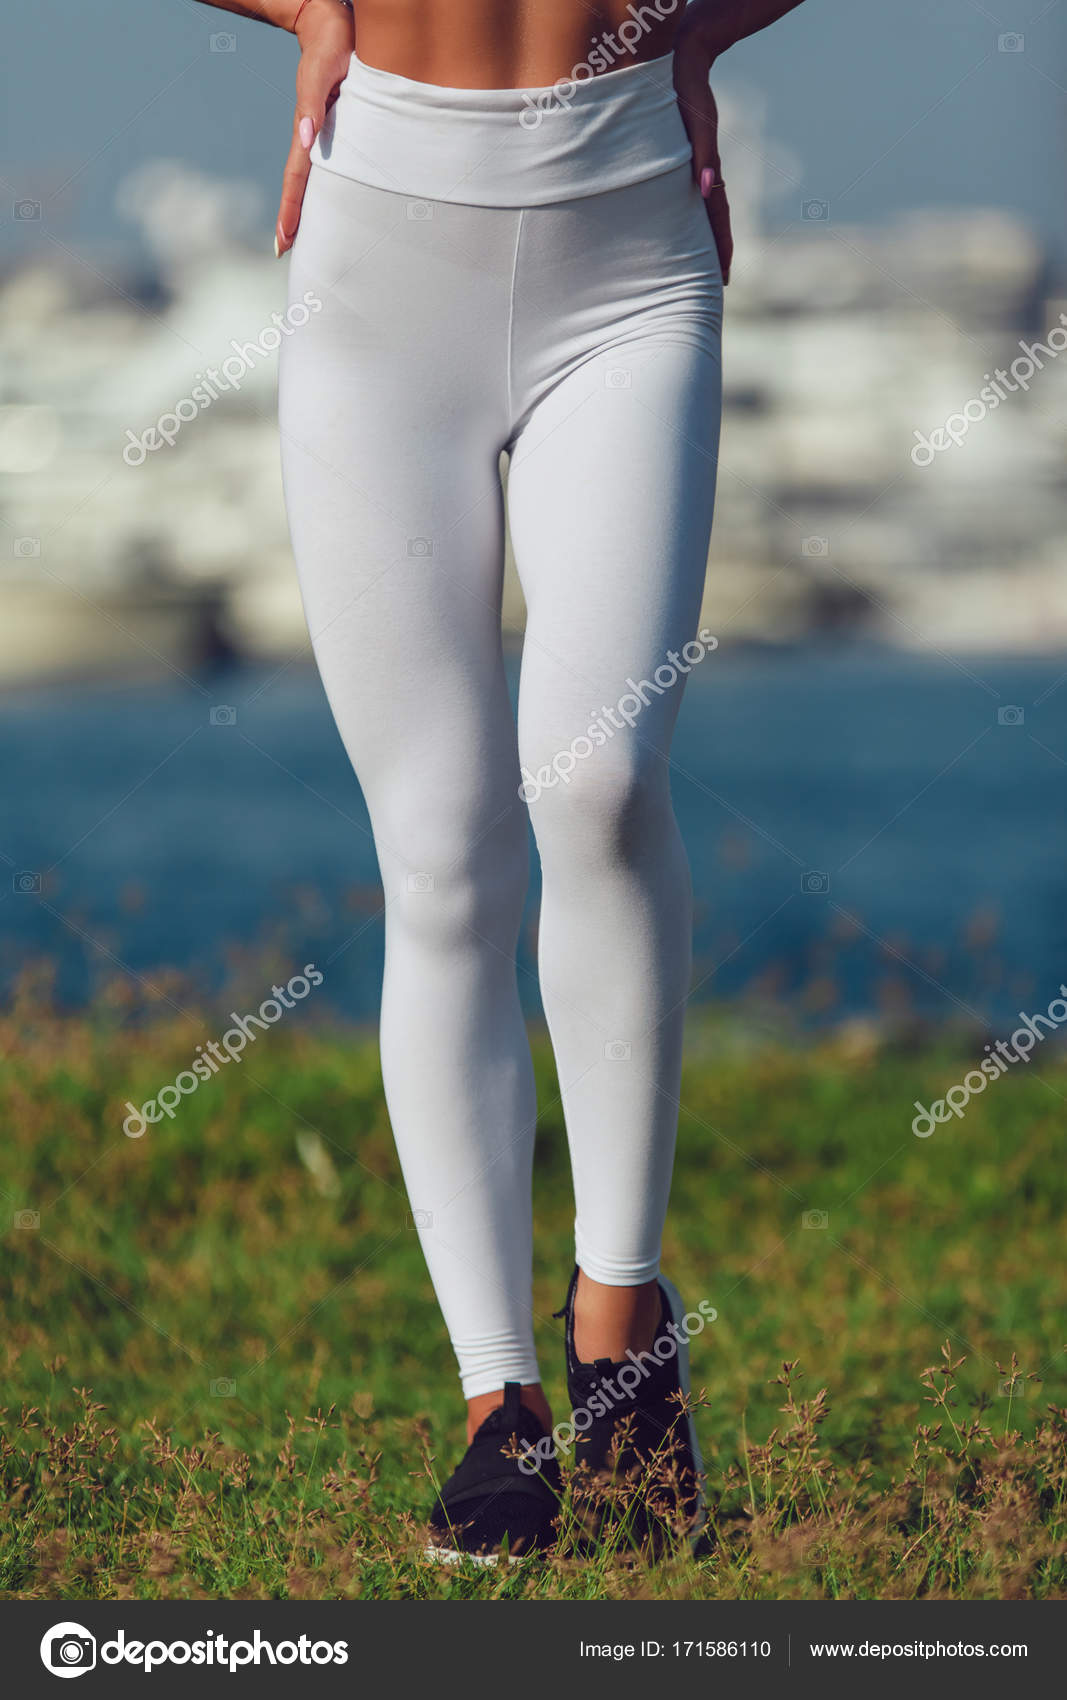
582 337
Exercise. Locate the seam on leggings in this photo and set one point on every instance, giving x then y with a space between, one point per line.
511 316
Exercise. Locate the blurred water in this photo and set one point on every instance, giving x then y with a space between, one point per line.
868 831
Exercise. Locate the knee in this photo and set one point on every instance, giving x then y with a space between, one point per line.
453 873
607 810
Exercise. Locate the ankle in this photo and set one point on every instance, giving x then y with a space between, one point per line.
611 1321
531 1395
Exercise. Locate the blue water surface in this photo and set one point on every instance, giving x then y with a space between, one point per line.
870 831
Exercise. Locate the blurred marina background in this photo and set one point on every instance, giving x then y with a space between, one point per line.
869 770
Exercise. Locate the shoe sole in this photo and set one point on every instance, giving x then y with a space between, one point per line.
678 1311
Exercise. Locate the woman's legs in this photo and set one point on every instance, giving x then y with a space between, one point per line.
392 412
610 492
586 335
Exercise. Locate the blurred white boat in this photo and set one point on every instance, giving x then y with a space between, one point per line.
841 344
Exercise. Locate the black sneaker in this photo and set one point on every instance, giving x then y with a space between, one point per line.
494 1498
639 1473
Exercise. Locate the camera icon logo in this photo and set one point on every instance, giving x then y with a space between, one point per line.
223 1387
816 211
27 1220
25 547
224 42
420 548
67 1649
27 209
1010 715
1011 42
223 714
420 1218
815 1219
420 209
420 882
618 378
25 883
815 546
618 1050
814 883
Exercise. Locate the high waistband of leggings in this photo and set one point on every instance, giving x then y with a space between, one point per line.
504 147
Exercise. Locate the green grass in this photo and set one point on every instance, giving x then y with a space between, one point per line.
261 1240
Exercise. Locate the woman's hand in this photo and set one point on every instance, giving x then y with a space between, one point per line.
708 28
693 59
325 32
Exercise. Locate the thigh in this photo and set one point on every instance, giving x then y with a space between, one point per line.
611 493
389 432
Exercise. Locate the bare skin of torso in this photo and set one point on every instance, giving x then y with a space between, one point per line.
501 43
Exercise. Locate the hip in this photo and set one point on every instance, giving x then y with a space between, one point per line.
507 148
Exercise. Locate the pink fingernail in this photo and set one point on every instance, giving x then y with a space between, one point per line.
306 132
707 180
